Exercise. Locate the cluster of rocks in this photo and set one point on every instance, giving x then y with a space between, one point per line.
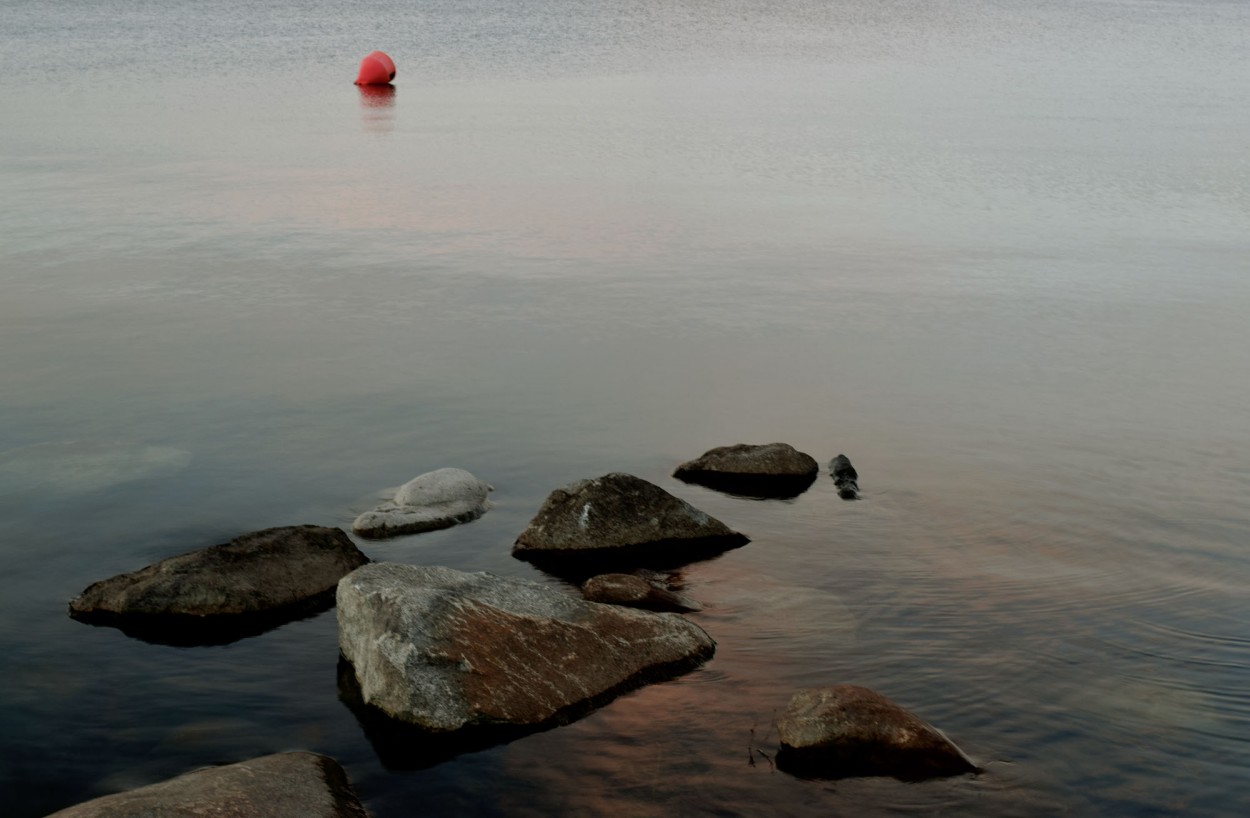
477 658
771 470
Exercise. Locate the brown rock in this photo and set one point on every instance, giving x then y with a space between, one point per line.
767 470
445 650
634 591
620 521
285 785
845 730
257 579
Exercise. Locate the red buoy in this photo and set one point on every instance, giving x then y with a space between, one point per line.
375 69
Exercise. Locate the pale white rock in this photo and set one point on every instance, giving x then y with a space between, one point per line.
437 499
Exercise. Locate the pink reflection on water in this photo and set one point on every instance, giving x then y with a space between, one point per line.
377 96
377 103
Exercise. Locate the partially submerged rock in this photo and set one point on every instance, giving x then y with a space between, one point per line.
434 500
845 478
768 470
223 592
285 785
619 521
844 730
445 651
636 591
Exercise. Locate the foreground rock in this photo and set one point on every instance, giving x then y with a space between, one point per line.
768 470
286 785
434 500
225 591
844 730
635 591
845 478
447 651
619 521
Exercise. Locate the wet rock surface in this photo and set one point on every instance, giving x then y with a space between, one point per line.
845 478
445 651
635 591
619 522
844 731
285 785
770 470
428 502
223 592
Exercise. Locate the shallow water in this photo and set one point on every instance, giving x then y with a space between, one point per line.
995 252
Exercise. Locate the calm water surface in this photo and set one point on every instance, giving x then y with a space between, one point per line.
993 250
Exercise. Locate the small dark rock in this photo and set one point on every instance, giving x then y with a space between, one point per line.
635 591
845 478
771 470
224 592
285 785
844 731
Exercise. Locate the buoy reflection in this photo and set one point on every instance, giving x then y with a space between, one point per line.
377 96
377 103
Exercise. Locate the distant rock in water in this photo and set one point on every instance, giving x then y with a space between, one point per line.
619 522
285 785
845 731
845 478
635 591
775 470
434 500
445 651
224 592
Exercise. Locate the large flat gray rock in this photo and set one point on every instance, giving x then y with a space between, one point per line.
619 521
447 651
259 578
428 502
285 785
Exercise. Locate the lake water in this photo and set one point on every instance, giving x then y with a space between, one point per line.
996 251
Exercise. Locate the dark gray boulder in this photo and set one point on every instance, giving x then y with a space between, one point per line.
224 592
619 522
843 731
445 651
635 591
768 470
845 478
285 785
